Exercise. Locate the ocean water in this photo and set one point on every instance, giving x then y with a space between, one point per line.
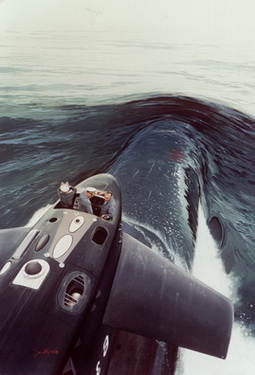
72 102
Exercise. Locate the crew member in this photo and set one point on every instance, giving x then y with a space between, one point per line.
84 200
66 194
108 207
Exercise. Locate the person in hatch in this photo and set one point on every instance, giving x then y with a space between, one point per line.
108 207
84 200
66 194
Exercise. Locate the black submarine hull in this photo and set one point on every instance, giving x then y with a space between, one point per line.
66 252
74 288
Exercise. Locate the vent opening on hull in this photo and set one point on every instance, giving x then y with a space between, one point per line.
100 235
53 219
216 229
74 292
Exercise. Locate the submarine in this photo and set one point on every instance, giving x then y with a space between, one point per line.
70 282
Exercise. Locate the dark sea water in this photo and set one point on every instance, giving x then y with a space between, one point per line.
66 118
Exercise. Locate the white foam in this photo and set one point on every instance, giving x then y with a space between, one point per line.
208 268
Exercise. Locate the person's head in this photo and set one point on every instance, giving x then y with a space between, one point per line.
90 191
107 196
64 187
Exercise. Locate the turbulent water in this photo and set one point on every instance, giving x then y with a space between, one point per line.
216 142
44 142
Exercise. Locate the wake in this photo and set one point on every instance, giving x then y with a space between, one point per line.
208 268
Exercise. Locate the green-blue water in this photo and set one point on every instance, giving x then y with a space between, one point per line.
73 103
